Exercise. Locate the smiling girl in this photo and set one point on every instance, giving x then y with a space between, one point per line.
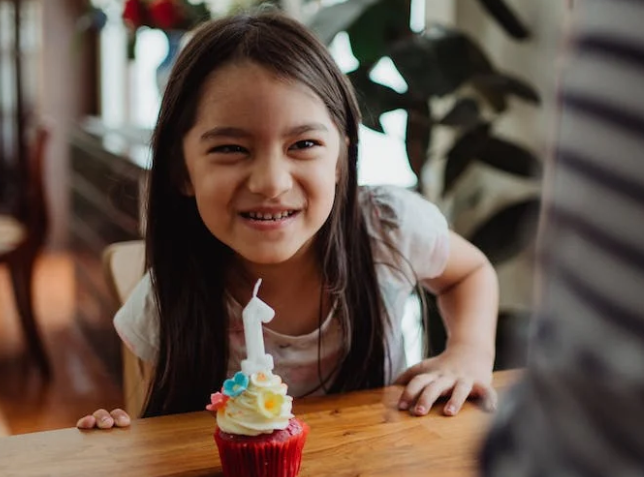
254 175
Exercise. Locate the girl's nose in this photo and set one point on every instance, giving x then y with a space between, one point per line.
270 176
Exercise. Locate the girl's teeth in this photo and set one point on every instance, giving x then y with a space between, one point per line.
261 216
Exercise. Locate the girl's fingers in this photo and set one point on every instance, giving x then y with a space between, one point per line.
460 393
410 373
103 419
414 388
121 418
489 398
86 422
431 393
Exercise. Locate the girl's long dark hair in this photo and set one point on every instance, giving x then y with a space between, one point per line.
188 264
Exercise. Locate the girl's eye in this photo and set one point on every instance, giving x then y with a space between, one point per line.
305 144
228 149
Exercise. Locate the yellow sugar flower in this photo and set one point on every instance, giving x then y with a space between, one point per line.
270 403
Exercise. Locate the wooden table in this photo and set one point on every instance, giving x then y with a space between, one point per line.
360 433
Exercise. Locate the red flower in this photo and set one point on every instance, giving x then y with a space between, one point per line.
217 401
135 14
166 14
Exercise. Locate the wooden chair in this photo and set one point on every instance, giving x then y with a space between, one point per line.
22 237
123 267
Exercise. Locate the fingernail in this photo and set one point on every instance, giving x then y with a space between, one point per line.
402 405
450 409
420 410
105 418
122 420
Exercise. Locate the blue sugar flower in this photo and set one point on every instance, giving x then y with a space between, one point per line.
237 385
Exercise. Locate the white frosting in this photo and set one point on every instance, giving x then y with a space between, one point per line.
260 409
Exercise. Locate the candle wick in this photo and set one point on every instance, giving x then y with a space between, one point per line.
256 289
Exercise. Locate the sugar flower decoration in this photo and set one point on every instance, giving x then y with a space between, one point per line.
237 385
260 379
270 403
217 401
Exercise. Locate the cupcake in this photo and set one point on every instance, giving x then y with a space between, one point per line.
257 434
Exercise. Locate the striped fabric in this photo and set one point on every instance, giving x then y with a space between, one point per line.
579 411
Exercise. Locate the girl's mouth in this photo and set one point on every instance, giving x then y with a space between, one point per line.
268 217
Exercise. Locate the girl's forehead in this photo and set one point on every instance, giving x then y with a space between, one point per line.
249 74
243 88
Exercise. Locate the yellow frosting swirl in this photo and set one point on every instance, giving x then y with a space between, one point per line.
260 409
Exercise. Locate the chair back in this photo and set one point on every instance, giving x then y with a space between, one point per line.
123 267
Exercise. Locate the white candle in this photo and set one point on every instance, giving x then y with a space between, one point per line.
254 314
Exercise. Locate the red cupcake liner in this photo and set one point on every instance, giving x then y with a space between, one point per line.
278 454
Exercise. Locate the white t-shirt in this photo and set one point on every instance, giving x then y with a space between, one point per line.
404 219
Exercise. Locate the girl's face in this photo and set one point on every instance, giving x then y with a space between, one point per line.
262 160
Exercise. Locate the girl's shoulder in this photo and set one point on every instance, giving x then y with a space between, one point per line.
404 225
396 208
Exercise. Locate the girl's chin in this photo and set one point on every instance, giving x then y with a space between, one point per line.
271 256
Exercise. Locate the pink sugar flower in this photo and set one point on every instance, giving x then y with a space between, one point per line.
217 401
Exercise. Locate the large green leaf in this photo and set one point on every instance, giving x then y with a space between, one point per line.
508 20
439 61
509 157
508 232
506 85
374 99
385 23
465 113
462 153
330 21
418 135
495 98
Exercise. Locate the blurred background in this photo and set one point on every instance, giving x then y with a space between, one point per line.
459 99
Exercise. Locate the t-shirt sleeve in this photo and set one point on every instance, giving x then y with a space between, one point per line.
415 227
137 321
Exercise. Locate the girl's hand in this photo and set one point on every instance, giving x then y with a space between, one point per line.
104 420
459 372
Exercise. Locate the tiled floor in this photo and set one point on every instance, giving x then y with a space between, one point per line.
80 384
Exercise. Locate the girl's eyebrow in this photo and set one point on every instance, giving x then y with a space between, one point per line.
229 131
304 128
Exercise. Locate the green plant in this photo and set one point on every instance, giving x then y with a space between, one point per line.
443 63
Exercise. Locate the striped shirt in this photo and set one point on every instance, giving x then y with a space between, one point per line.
579 410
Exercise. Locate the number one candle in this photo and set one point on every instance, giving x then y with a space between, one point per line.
254 314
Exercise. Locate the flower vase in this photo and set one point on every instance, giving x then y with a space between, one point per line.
165 67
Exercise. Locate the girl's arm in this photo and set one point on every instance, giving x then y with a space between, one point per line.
468 299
